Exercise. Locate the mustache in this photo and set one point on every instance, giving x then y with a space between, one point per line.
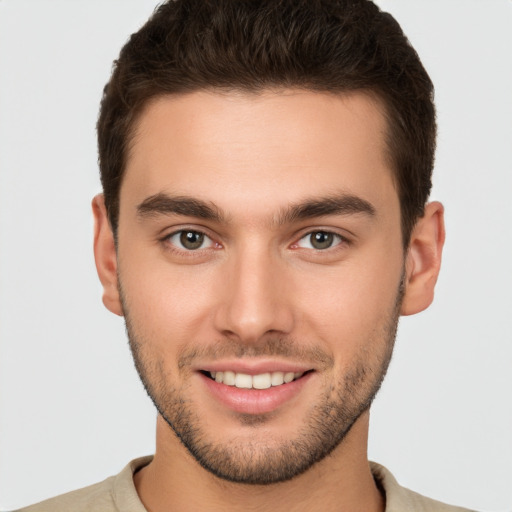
286 348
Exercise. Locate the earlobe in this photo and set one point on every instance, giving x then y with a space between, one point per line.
105 256
423 260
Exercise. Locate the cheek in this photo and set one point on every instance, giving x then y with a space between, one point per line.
353 303
166 304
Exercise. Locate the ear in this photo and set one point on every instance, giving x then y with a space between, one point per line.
423 260
105 256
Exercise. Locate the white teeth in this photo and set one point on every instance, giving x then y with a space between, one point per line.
288 377
260 381
229 378
277 378
243 380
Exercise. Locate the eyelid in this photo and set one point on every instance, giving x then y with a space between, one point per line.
206 241
342 239
176 230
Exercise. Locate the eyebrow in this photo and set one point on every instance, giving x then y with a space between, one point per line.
340 204
163 204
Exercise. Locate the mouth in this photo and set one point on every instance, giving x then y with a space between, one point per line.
259 381
255 387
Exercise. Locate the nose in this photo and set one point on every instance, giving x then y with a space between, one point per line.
255 297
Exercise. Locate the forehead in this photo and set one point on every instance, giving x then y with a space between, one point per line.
238 148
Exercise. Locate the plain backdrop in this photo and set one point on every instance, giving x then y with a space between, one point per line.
72 410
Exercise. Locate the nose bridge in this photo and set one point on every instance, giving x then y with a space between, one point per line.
254 300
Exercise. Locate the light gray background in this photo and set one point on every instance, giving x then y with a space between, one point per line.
72 410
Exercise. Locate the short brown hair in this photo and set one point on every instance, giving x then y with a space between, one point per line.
320 45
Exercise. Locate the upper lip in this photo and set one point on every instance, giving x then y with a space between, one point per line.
253 367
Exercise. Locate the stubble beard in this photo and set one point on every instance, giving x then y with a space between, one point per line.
260 460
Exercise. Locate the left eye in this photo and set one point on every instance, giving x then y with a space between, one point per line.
319 240
190 240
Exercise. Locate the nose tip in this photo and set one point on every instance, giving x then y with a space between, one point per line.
254 303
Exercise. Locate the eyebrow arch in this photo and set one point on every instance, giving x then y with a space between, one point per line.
163 204
343 204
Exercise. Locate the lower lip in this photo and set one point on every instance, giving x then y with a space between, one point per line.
255 401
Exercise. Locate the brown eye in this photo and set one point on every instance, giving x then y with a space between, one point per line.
320 240
190 240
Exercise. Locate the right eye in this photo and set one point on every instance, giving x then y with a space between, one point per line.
190 240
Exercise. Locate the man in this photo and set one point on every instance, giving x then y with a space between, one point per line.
266 168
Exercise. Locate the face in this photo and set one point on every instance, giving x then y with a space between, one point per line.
260 265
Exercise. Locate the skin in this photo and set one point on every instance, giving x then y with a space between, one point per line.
258 283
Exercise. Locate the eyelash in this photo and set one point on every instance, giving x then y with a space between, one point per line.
336 240
174 247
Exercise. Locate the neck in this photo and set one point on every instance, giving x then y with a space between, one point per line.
341 481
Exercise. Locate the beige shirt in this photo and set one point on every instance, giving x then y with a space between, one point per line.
118 494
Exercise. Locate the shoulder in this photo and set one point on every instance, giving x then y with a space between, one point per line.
113 494
91 498
400 499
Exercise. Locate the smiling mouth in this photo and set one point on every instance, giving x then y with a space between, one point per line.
260 381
